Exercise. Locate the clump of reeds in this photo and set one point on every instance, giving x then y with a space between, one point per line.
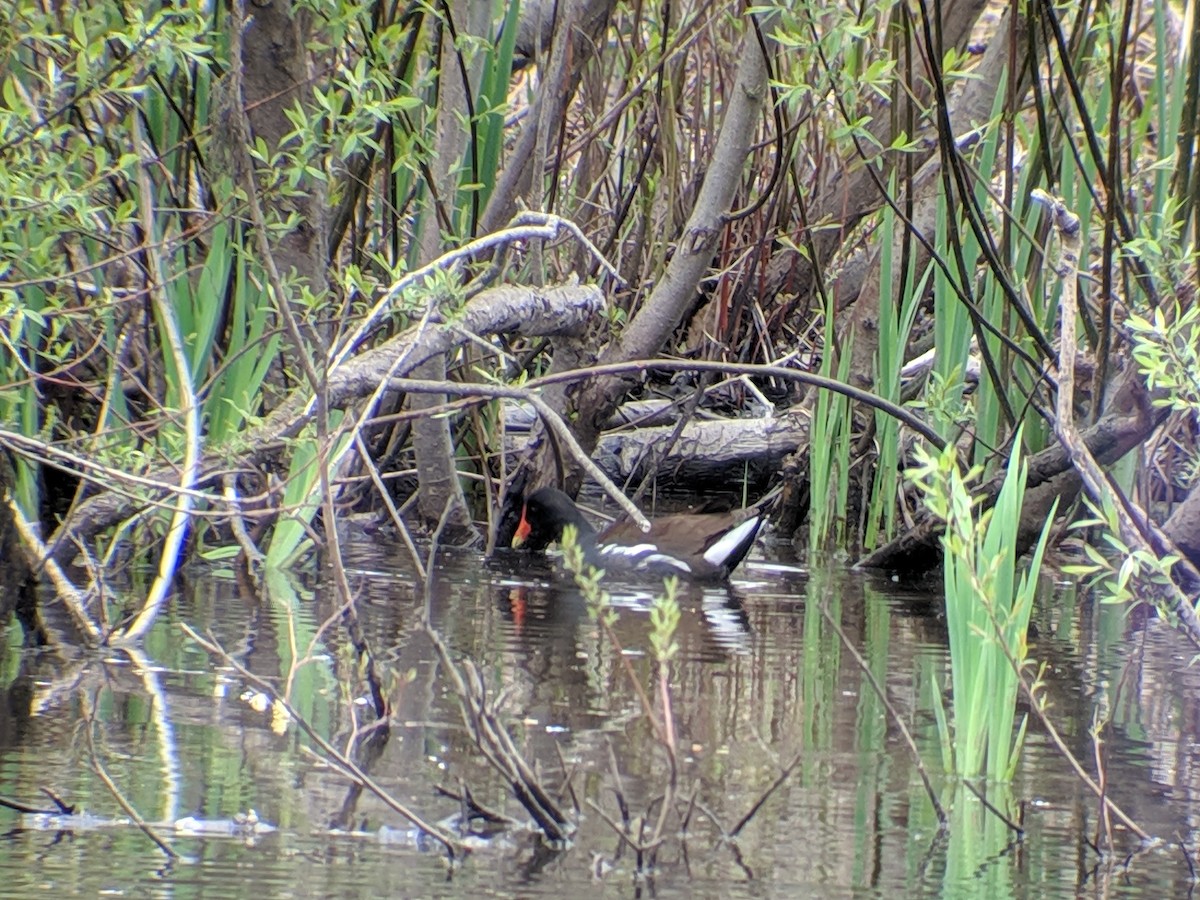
987 614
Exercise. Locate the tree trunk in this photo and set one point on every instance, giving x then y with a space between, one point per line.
440 492
275 76
676 290
1183 527
18 582
272 75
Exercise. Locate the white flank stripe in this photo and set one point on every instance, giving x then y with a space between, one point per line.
629 552
643 556
729 542
662 559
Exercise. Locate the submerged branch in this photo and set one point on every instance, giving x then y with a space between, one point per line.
122 801
891 711
73 599
493 741
783 776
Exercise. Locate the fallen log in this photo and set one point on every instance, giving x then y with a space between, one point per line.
1129 421
706 451
720 451
522 417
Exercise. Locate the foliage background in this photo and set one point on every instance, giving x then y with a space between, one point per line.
208 210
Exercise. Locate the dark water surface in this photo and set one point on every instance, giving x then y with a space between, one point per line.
761 679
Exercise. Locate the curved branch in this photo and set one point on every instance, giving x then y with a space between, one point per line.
505 310
1146 537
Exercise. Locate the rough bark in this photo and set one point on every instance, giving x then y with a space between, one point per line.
275 75
271 74
1183 527
715 451
535 25
721 451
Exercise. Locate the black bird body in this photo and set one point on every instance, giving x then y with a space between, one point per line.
703 546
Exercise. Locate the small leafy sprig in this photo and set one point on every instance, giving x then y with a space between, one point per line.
1167 351
1138 576
664 620
588 578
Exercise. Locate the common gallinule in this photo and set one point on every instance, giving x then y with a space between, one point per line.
704 546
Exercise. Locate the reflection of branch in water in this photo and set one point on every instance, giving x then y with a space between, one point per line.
497 747
483 725
1012 826
368 748
64 808
168 750
453 849
366 742
73 682
472 809
98 768
891 711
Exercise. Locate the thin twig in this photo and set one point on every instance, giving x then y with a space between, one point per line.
624 835
552 419
386 497
137 820
254 556
453 849
24 809
100 475
1093 477
568 778
757 805
1104 820
991 807
1059 744
1187 858
490 737
756 370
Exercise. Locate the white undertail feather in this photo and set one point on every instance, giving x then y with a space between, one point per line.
731 541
